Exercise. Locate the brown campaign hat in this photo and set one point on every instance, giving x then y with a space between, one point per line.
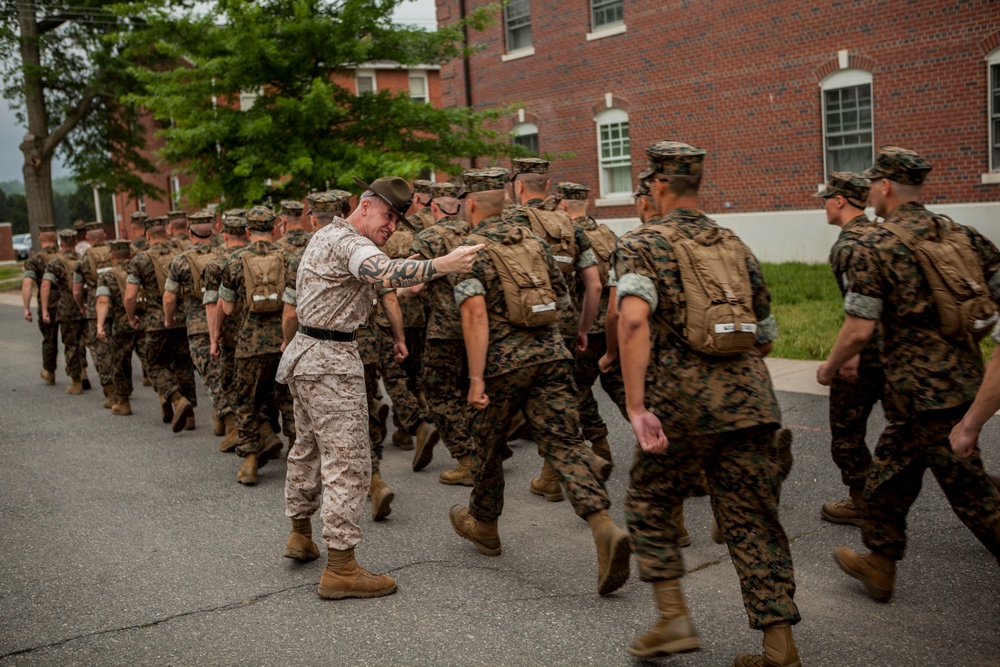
394 191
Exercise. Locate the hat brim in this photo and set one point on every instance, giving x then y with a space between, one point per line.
400 215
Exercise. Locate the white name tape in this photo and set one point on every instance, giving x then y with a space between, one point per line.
563 259
730 327
104 270
541 308
269 297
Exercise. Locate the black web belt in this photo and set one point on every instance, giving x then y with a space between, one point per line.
327 334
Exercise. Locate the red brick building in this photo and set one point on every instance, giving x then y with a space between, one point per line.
422 82
779 93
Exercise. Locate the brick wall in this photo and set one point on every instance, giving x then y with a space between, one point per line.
742 80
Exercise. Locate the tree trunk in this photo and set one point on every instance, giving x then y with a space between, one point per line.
37 156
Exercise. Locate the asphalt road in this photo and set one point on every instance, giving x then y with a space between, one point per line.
124 544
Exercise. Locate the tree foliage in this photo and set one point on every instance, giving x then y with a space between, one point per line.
303 130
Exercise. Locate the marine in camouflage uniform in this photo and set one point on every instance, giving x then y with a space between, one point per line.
168 356
529 370
137 223
258 352
445 383
113 324
422 216
931 378
58 305
95 260
851 398
718 415
34 269
224 330
184 291
529 181
177 230
294 240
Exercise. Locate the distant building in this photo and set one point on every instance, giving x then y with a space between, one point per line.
779 93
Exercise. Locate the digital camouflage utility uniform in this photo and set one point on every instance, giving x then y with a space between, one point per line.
930 382
59 272
719 415
94 261
120 334
529 370
34 268
226 401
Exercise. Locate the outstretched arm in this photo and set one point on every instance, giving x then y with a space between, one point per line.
404 272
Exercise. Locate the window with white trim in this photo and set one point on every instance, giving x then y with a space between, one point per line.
526 134
848 135
247 99
606 13
175 191
140 202
365 81
418 86
614 154
517 23
993 71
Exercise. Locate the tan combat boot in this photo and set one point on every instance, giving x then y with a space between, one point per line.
122 407
271 443
109 396
601 447
248 472
166 410
300 543
48 376
613 550
232 438
875 571
344 578
779 649
189 423
483 534
547 485
427 437
381 496
461 475
76 388
183 410
683 540
674 631
382 415
850 511
218 428
402 439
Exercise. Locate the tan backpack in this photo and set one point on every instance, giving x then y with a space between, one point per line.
719 319
198 261
99 259
556 229
524 277
264 280
161 268
399 244
602 240
954 273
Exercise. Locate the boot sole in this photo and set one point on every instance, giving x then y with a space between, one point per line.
618 567
551 497
180 417
874 592
247 481
686 645
302 556
229 446
334 594
121 413
424 455
457 482
823 514
483 549
381 508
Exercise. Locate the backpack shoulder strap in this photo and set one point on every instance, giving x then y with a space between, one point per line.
908 238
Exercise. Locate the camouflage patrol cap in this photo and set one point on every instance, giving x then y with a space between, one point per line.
260 219
674 158
292 208
234 225
575 191
158 221
852 187
176 214
422 186
79 225
528 165
444 190
483 180
94 226
331 201
67 235
642 189
234 213
120 246
138 216
47 229
900 165
201 217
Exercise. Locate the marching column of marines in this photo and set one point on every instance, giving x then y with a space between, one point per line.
489 308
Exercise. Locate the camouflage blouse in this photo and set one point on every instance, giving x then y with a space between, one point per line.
444 322
107 285
260 333
34 268
57 272
840 259
181 283
142 273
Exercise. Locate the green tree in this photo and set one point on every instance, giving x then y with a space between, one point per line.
303 131
66 73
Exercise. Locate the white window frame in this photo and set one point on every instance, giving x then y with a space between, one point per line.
422 76
175 190
524 130
845 78
140 202
612 116
992 177
605 27
359 74
518 52
247 99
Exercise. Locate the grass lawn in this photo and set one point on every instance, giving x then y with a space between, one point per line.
807 304
10 277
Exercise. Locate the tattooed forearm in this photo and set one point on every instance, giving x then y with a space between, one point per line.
396 272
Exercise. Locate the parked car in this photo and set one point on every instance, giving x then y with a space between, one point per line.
22 246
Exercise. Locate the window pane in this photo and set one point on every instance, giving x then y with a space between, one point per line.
615 159
848 113
517 16
606 12
366 84
529 141
418 88
618 180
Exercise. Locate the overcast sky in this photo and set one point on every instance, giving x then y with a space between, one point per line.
419 12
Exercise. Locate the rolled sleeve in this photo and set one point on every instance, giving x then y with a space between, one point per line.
171 285
133 279
587 259
77 278
289 297
865 307
767 330
612 277
359 256
467 288
30 273
227 294
51 277
103 290
210 296
634 284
